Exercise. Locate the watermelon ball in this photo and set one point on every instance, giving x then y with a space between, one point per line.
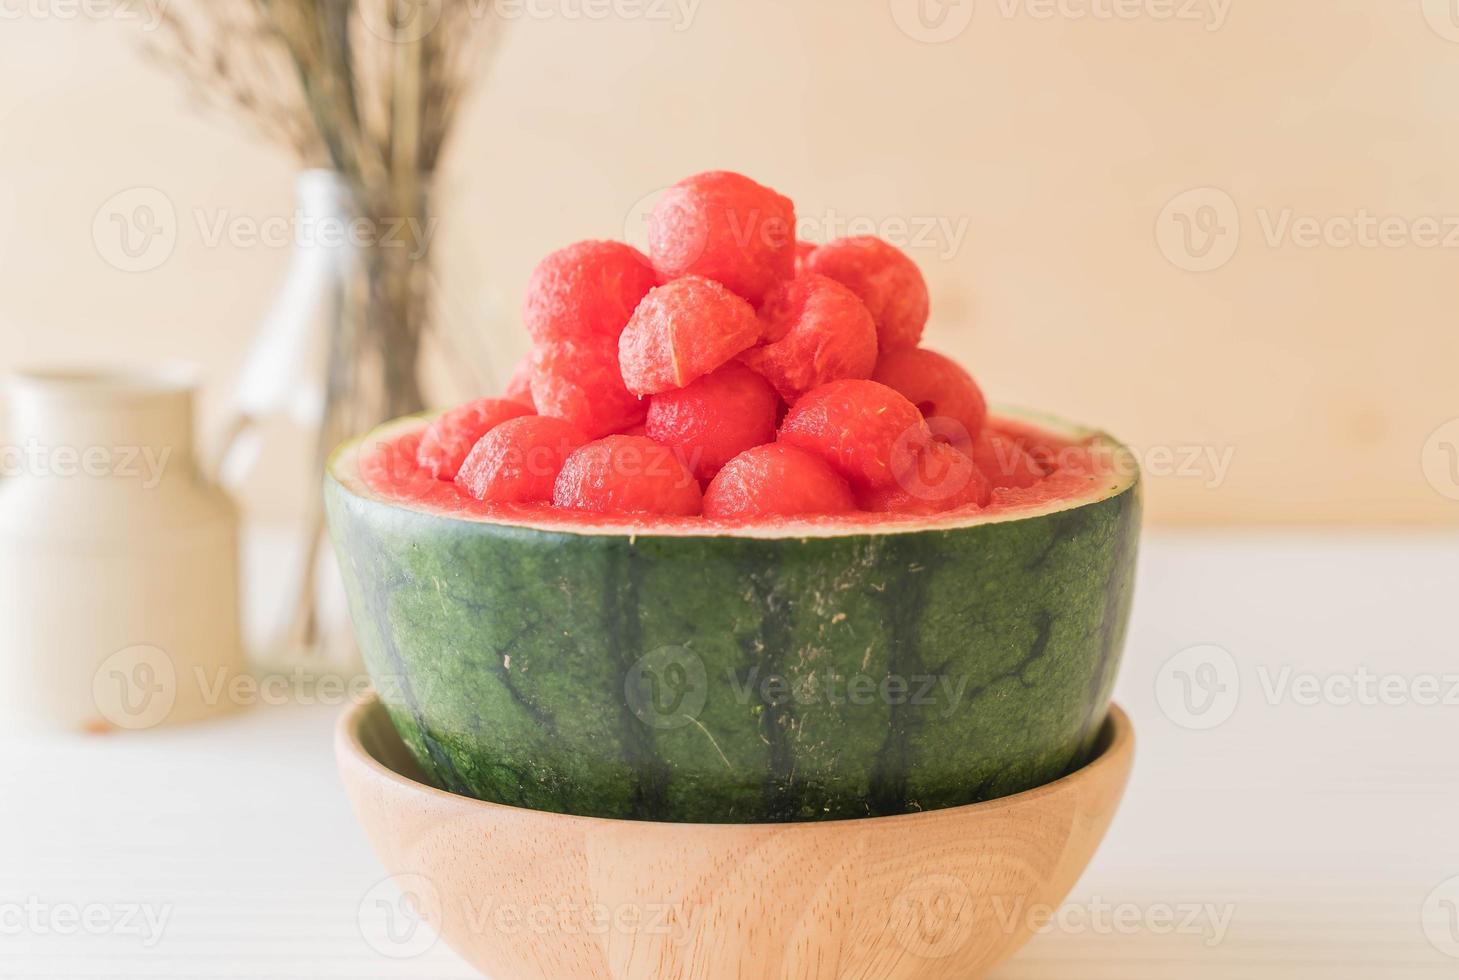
586 291
888 282
776 480
519 386
940 389
579 383
725 227
803 252
934 481
714 419
682 331
1004 461
449 439
859 428
818 332
627 475
518 461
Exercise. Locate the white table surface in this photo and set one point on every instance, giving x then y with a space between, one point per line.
1294 840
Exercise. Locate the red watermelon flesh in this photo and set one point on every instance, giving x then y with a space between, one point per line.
940 389
816 331
714 419
579 382
627 475
682 331
725 227
859 428
450 438
819 406
803 252
888 282
1078 464
518 461
937 480
774 481
586 291
1004 462
519 386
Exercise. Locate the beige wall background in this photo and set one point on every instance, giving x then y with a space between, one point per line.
1058 167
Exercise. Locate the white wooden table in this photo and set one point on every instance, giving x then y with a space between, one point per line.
1294 839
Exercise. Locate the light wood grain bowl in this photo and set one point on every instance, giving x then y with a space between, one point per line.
523 895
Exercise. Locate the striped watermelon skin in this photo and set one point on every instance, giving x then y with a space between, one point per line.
732 679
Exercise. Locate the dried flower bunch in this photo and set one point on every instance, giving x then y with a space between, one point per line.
369 89
365 86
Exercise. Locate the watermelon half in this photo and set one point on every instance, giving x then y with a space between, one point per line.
680 670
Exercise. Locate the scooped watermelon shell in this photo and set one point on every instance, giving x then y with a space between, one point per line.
773 669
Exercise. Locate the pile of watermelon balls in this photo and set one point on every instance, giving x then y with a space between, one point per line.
732 372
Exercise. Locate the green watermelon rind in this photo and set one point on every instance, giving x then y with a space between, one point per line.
716 678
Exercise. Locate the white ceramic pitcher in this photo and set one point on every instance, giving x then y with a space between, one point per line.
118 557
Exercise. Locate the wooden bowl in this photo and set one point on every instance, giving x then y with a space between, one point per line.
523 894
